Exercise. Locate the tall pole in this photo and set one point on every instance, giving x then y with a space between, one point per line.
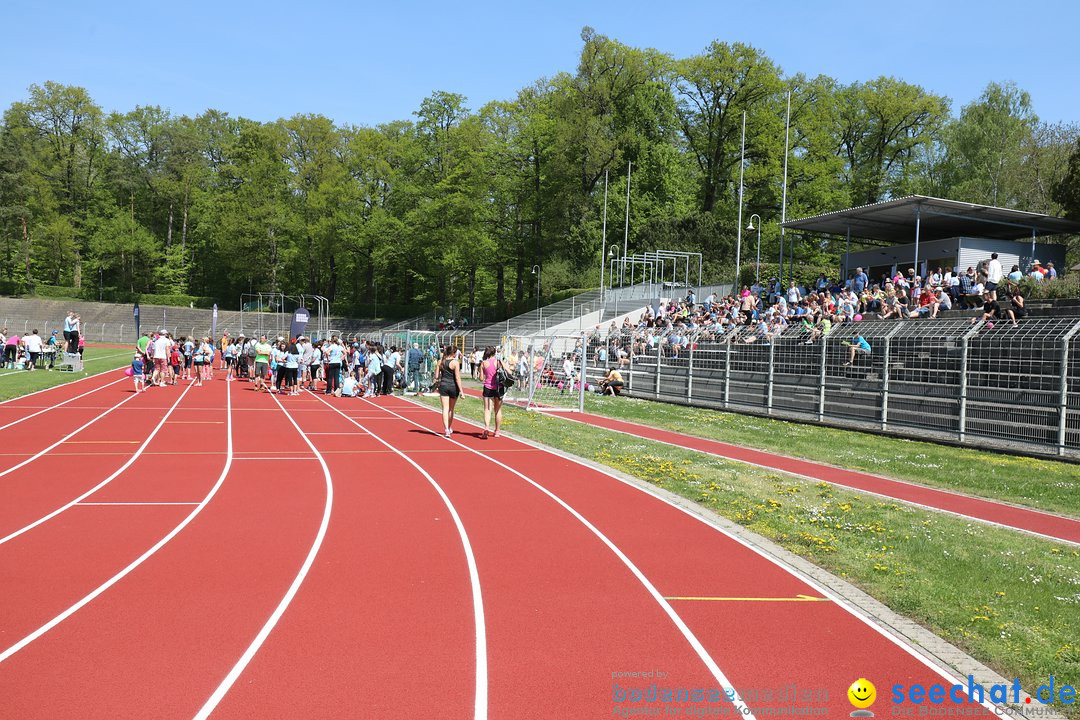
757 268
603 240
536 272
738 237
783 201
626 229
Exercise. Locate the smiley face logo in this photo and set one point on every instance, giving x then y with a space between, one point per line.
862 693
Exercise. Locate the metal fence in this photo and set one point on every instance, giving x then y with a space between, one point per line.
981 384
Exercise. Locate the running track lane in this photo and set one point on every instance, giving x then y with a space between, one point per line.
560 607
54 565
762 635
80 460
25 408
1037 522
383 626
162 639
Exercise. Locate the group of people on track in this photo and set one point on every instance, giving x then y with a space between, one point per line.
287 366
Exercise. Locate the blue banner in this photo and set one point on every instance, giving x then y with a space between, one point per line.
299 322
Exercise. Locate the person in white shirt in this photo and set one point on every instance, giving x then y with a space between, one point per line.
32 343
994 274
162 346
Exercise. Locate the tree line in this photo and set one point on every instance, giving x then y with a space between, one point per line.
455 205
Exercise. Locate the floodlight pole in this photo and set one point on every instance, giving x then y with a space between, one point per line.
757 268
738 236
918 223
783 201
626 229
603 239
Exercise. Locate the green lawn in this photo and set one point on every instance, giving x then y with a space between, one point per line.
1010 600
1043 484
19 382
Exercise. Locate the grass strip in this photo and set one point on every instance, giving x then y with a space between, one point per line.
14 383
1036 483
1010 600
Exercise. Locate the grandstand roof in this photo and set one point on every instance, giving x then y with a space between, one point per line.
893 221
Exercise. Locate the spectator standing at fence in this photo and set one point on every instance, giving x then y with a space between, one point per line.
448 380
413 359
390 370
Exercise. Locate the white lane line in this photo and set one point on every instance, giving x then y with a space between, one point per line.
67 437
83 504
219 694
481 692
138 452
59 404
683 628
61 385
142 558
841 601
96 359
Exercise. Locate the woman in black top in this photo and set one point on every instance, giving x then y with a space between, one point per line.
448 380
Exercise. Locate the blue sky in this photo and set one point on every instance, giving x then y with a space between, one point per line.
371 62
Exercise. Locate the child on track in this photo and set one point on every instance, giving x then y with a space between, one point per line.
138 372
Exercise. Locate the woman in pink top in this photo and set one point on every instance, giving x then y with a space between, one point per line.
493 391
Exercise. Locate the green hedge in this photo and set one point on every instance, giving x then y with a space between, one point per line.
1067 286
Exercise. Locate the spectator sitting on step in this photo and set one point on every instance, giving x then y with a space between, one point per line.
856 346
991 309
1016 309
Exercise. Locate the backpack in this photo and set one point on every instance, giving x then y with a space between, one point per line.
503 379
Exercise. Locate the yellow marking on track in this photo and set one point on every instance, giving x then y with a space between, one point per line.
797 598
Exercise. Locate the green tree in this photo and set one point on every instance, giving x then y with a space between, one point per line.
881 126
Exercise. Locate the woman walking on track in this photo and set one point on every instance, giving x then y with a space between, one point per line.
448 379
493 389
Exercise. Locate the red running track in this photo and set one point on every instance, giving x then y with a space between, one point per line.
1036 522
339 559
